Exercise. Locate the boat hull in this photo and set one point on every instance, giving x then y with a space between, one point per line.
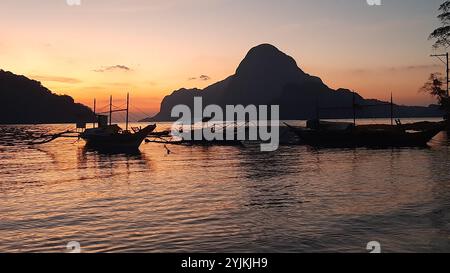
358 137
213 142
117 142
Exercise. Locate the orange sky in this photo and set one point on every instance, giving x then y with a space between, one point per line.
151 48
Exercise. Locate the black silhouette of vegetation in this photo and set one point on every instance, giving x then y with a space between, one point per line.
442 33
26 101
435 83
434 87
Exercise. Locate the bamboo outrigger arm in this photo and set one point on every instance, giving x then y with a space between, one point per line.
50 138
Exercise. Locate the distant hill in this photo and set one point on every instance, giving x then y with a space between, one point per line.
268 76
26 101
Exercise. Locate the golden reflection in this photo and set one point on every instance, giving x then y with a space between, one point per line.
197 198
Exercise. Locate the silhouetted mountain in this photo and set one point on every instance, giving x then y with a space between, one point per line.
25 101
268 76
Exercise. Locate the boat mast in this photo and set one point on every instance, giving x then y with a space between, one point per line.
354 108
128 106
95 114
110 110
392 110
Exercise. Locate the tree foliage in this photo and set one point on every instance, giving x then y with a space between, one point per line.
442 33
435 87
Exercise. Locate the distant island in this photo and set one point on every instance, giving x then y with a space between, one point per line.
268 76
26 101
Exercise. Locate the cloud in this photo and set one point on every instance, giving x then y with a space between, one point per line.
392 69
415 67
201 78
55 79
117 67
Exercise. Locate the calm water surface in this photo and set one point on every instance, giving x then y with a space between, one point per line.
215 199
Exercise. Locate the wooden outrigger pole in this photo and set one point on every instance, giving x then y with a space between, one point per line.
110 110
128 106
354 108
46 138
95 114
392 110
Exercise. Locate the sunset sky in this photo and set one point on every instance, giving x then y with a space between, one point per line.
152 47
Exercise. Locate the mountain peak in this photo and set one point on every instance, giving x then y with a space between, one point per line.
267 59
267 76
267 48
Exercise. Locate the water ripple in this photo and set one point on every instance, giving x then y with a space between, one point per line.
215 199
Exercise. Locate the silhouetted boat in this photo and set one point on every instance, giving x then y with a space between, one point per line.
196 137
111 136
343 135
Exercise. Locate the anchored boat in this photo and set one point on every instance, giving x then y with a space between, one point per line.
104 135
111 136
195 136
347 135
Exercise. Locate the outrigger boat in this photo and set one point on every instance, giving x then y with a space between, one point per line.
319 133
189 137
347 135
105 136
111 136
